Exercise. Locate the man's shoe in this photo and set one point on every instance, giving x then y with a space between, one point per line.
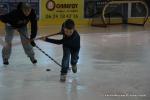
33 60
5 62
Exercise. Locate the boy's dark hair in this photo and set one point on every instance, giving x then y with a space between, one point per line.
69 24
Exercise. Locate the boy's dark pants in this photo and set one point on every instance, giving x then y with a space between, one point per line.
66 58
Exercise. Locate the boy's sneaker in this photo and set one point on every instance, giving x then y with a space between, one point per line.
74 68
63 78
33 60
5 62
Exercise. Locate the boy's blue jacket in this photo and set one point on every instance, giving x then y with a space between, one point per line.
71 42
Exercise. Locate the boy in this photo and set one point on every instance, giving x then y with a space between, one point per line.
18 20
71 45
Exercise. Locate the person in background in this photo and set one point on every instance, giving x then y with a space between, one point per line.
17 20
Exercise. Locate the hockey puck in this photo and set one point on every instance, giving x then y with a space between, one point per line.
48 69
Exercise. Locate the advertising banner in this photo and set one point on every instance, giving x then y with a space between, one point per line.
60 9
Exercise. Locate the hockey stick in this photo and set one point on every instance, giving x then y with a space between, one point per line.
48 55
44 51
2 43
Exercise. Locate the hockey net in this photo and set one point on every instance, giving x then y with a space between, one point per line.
116 12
